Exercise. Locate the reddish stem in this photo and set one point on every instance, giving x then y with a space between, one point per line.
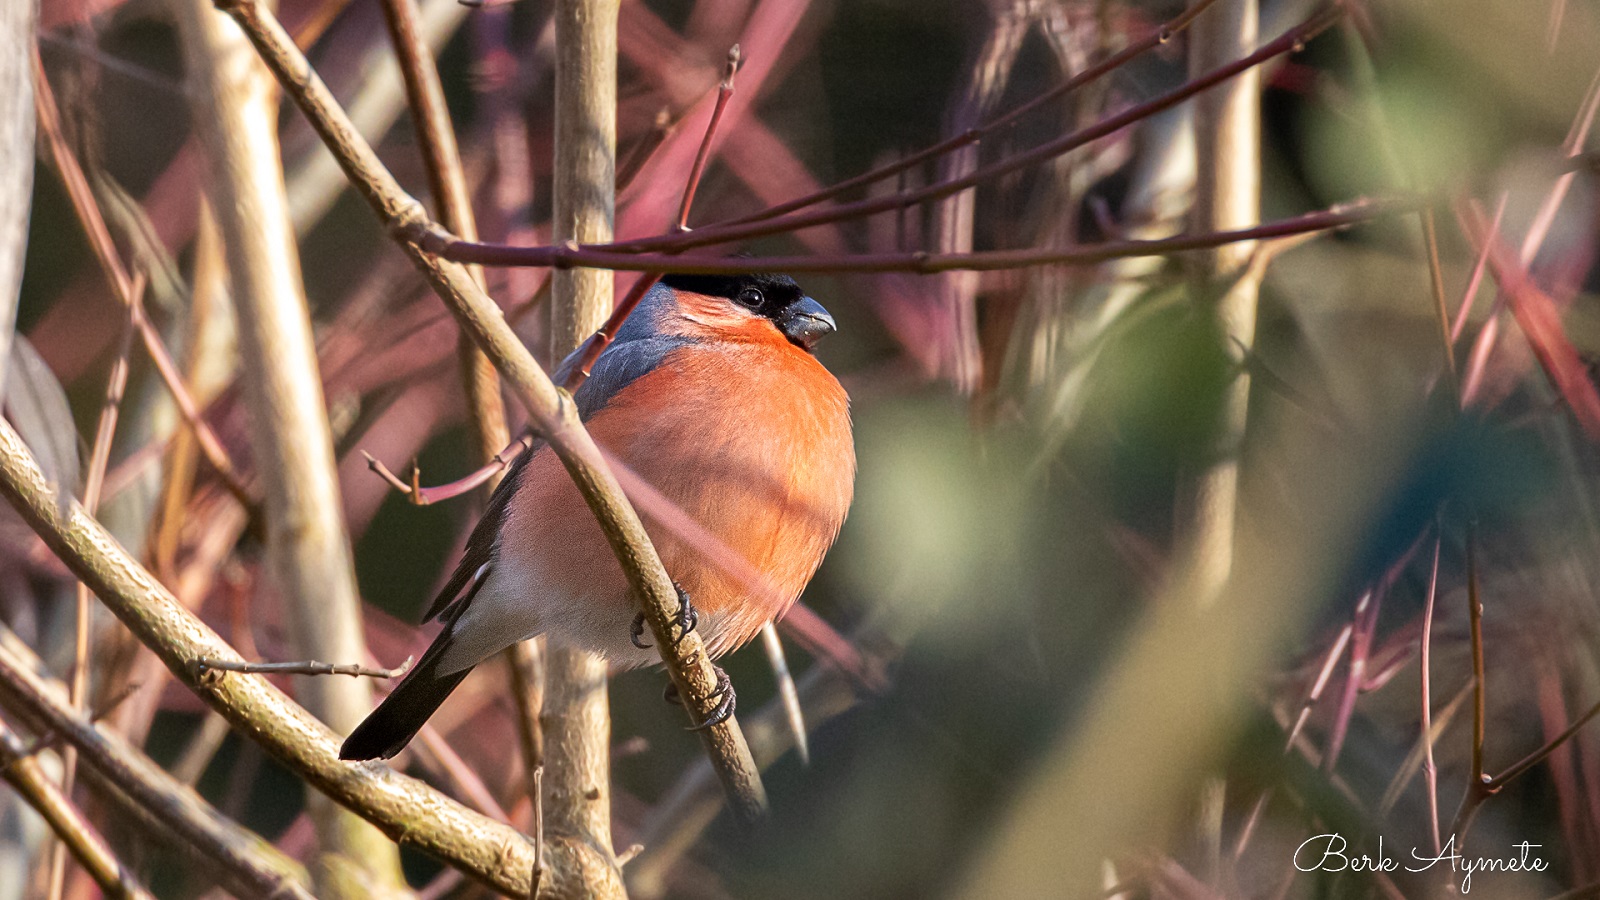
605 256
491 254
724 93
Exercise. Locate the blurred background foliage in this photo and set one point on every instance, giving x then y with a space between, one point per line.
1026 440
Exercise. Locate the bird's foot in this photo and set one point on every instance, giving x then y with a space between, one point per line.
726 700
686 620
687 617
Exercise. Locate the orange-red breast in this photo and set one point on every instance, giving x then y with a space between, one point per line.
711 395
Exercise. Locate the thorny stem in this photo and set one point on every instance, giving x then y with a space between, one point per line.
491 254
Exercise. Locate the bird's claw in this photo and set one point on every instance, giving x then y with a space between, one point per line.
726 701
687 617
686 621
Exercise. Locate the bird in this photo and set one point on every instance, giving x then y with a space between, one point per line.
711 394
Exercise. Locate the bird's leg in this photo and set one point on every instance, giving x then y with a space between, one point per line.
725 705
687 620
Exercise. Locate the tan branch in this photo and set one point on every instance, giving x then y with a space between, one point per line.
237 859
29 780
550 409
576 720
404 809
1227 126
308 550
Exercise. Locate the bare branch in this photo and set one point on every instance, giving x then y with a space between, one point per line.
308 550
724 93
486 850
238 859
1290 41
29 780
566 257
117 275
554 415
311 667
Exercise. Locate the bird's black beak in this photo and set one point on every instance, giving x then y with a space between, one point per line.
805 322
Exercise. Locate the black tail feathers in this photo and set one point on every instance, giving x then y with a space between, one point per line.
391 726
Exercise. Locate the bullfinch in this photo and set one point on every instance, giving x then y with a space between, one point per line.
711 395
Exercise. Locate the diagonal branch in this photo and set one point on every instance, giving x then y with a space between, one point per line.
29 780
486 850
550 409
235 858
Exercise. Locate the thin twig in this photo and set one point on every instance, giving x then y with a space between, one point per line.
1292 40
576 367
1422 748
603 257
453 200
1430 771
724 93
632 164
486 850
239 860
1478 784
1480 266
105 250
422 496
1522 765
99 458
1156 38
1430 240
794 715
202 665
553 414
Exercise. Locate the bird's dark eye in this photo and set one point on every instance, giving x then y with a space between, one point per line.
751 297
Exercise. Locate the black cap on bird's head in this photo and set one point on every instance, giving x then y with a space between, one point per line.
775 297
